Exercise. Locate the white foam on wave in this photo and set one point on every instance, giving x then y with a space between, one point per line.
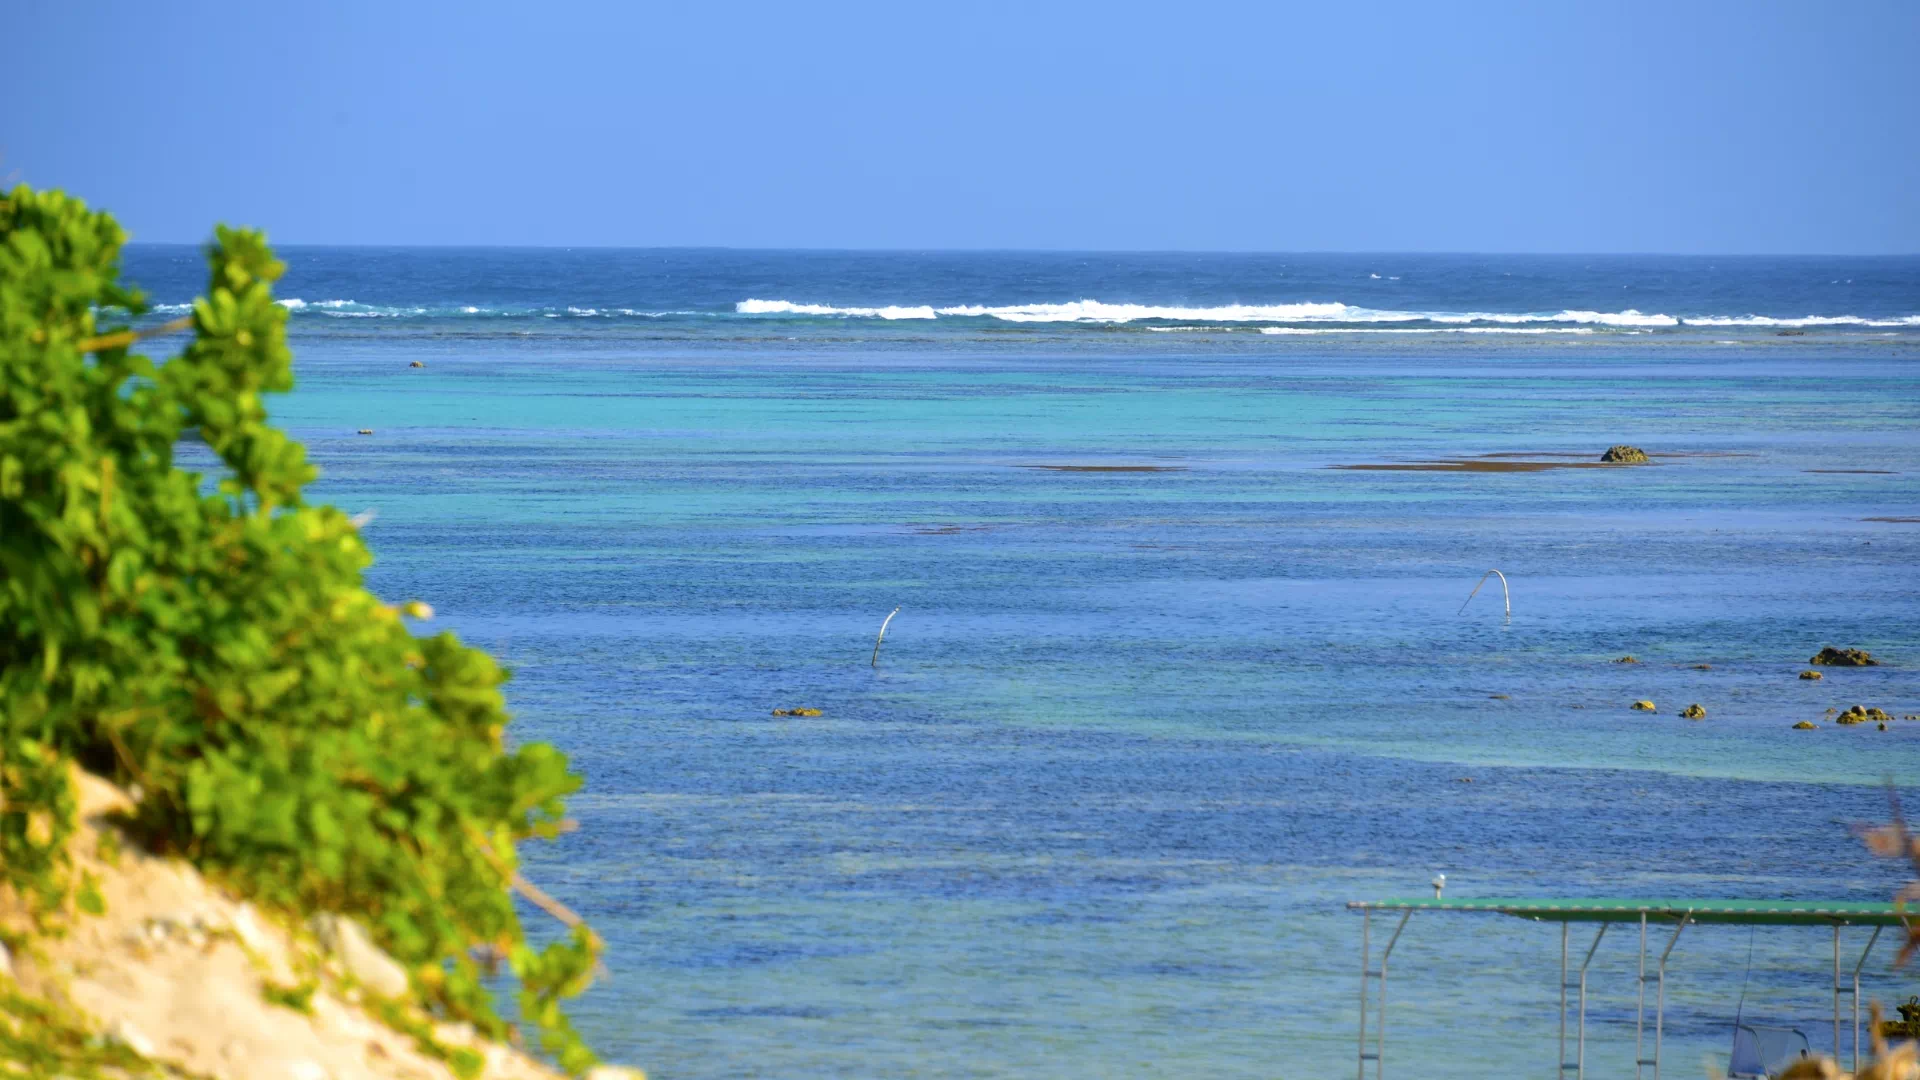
294 303
1629 317
1809 320
1096 311
787 307
1427 330
1090 311
602 313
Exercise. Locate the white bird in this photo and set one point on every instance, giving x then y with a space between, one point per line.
1439 883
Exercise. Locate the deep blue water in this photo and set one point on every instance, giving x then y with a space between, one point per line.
1135 737
706 297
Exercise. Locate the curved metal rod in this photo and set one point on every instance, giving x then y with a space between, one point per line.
1505 594
882 637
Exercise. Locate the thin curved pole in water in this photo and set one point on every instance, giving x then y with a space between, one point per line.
1504 594
882 637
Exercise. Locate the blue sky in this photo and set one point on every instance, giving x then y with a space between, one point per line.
1640 127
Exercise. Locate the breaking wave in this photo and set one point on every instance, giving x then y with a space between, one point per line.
1809 320
787 307
1303 317
1080 311
1427 330
1095 311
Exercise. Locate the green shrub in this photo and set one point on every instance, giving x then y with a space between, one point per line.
209 641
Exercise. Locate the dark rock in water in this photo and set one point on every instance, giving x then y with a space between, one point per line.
1693 712
1790 333
365 431
1642 706
1624 455
416 363
801 711
1627 659
1810 675
1804 725
1908 1026
1860 714
1832 657
1703 667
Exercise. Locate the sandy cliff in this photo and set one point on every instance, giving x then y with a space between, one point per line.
202 984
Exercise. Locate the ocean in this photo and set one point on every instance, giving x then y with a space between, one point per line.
1168 686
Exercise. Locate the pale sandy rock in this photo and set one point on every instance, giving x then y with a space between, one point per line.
457 1034
346 942
247 930
131 1037
304 1070
176 970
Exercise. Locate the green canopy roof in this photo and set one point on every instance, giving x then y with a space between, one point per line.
1737 912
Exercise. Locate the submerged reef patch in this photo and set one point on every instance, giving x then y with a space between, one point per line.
1832 657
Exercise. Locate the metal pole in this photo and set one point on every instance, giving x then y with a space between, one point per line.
1380 1025
1856 998
1660 1009
1366 926
1580 1055
1836 991
1640 1005
1561 1061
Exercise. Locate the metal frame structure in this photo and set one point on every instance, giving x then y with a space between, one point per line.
1678 913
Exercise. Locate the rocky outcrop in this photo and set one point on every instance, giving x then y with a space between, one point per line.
1810 675
1860 714
1624 455
1642 706
1694 711
1804 725
802 711
357 955
1832 657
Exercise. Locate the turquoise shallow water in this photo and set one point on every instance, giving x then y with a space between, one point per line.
1135 737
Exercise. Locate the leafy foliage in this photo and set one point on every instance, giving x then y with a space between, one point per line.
212 643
